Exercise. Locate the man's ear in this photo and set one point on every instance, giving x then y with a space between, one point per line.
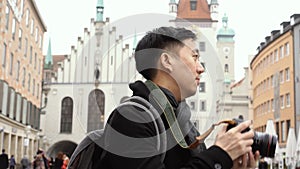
166 61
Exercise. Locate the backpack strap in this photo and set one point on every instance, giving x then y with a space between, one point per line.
148 112
158 123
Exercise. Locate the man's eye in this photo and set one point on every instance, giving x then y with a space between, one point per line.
196 57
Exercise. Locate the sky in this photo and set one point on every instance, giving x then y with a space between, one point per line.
252 20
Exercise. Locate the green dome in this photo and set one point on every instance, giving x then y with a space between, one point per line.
226 32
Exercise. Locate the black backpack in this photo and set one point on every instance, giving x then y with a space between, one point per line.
89 152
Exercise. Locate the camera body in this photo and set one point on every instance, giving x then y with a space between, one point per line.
263 142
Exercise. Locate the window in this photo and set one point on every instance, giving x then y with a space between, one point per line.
27 17
287 74
7 10
66 115
11 64
288 124
39 66
26 46
202 105
30 55
33 87
287 49
38 90
202 46
28 82
281 101
31 26
281 77
13 29
273 81
111 60
288 99
281 52
273 104
283 131
24 77
36 34
271 58
96 105
20 38
276 55
41 41
4 54
226 69
193 4
35 60
18 70
202 87
192 105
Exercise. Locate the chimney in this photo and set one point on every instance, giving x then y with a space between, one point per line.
267 38
283 26
274 34
295 18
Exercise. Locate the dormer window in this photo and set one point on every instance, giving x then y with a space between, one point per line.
193 4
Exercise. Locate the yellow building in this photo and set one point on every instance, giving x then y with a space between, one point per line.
21 63
273 81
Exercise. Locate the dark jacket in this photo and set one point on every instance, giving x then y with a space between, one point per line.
3 161
126 122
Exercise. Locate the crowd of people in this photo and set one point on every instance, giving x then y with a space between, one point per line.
41 161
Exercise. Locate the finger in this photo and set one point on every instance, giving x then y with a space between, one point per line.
244 161
242 126
224 128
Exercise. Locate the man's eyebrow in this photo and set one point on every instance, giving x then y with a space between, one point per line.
196 51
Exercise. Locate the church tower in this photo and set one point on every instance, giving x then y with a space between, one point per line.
173 8
225 44
214 10
99 11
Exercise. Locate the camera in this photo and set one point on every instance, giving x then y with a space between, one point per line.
263 142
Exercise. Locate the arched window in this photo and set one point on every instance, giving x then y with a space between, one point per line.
226 69
96 110
66 115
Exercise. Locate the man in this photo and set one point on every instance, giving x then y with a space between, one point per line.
3 160
169 59
25 163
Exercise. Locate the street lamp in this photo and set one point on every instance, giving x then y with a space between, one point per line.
26 139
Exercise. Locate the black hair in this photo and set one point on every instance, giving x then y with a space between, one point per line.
154 43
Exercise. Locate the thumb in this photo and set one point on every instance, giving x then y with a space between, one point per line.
224 128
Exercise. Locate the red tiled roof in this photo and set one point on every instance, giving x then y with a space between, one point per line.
202 11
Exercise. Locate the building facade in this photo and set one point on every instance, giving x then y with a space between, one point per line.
22 30
274 80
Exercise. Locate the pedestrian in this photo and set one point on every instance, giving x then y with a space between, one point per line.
65 161
12 162
58 161
3 160
168 58
25 163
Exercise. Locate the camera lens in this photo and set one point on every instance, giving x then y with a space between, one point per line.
265 144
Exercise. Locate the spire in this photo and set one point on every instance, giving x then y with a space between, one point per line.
225 20
173 7
225 33
100 9
134 41
48 60
214 2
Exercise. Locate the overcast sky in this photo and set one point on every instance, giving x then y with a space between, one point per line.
252 20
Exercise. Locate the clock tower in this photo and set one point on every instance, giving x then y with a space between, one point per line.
225 45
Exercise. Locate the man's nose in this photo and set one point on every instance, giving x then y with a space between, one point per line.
200 68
